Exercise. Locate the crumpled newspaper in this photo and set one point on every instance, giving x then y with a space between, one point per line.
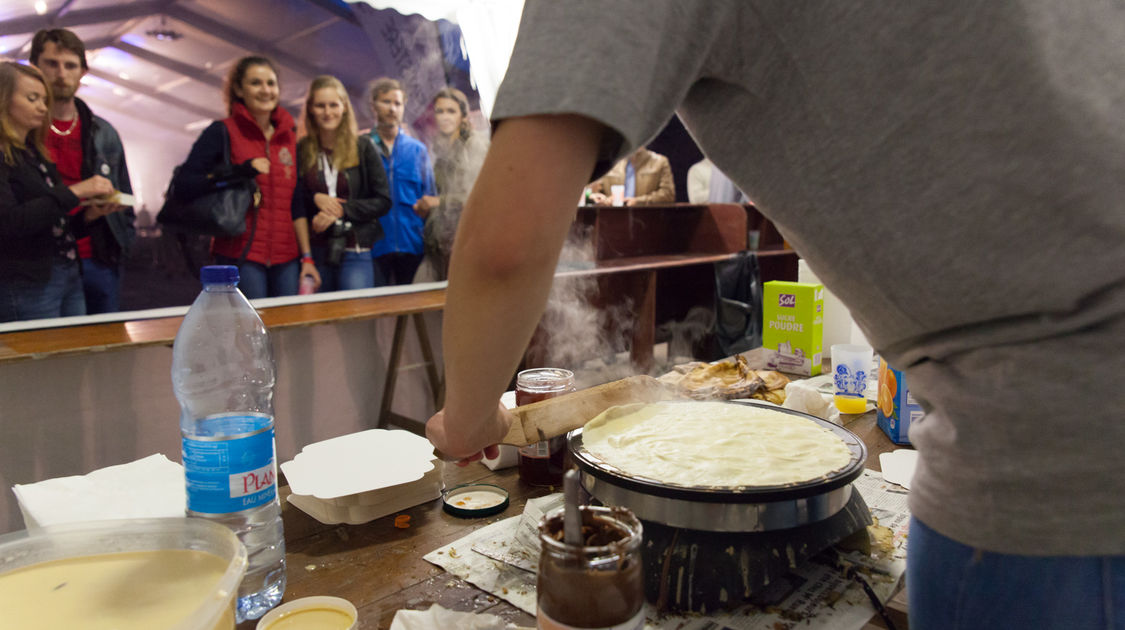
438 618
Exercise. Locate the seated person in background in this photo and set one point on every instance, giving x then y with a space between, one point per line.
341 191
458 153
647 178
707 184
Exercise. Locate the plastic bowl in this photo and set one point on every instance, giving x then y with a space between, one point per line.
319 611
215 609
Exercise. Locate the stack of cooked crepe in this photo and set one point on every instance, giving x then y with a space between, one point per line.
726 380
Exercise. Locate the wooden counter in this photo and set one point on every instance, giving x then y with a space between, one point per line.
380 568
44 343
629 246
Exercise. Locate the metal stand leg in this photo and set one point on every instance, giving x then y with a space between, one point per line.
437 389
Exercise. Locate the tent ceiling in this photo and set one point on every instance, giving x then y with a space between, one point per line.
177 83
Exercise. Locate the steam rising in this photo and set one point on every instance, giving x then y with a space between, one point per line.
456 166
579 335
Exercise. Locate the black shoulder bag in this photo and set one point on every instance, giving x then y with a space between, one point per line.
219 212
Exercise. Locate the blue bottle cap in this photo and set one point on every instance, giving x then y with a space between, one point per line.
219 274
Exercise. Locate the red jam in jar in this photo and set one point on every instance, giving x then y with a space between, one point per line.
543 463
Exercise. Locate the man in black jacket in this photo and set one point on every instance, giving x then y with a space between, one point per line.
83 145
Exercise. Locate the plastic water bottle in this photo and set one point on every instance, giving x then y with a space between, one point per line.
223 376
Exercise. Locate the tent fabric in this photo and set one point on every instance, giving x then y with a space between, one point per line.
489 29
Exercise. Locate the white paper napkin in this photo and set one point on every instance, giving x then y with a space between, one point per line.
438 618
805 395
509 455
152 487
898 466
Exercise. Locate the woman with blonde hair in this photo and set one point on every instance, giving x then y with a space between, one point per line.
341 192
39 271
458 154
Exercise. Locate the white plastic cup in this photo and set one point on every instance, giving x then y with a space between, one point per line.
617 194
851 367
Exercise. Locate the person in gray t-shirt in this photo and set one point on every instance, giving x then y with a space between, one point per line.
954 172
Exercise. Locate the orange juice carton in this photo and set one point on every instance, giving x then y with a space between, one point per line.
793 325
897 409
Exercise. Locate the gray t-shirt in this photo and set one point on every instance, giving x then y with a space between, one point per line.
955 172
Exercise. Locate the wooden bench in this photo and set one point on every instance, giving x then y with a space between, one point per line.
645 251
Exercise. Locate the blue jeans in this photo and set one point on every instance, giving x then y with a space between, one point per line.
102 286
353 272
61 296
956 587
256 280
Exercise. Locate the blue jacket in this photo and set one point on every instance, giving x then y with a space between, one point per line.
411 176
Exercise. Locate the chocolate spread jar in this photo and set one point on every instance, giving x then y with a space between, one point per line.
595 585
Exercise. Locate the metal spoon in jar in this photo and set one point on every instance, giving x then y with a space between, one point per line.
572 518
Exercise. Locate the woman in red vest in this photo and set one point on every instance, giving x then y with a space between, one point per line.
263 139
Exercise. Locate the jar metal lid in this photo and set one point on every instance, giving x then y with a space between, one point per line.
475 500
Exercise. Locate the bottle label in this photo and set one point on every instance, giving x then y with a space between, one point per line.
544 622
229 463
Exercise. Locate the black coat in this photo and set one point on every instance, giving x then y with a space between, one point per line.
111 236
368 194
33 200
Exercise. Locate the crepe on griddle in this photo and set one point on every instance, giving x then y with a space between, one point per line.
714 444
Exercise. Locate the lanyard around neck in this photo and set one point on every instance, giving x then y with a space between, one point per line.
330 174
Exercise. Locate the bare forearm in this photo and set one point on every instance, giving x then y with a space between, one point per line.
301 227
513 226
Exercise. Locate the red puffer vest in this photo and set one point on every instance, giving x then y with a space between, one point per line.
275 242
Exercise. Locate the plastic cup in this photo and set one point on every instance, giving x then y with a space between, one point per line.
851 366
617 194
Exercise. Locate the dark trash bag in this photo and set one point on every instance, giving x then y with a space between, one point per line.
738 304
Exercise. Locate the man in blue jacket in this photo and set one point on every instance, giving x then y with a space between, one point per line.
407 162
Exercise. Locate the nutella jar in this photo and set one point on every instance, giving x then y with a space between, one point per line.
543 463
595 585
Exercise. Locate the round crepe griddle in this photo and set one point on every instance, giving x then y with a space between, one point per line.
725 508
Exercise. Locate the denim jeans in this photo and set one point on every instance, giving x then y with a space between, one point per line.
354 271
256 280
956 587
102 286
61 296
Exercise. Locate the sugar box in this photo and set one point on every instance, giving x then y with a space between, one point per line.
793 326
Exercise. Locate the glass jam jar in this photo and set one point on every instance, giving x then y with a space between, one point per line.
543 463
596 585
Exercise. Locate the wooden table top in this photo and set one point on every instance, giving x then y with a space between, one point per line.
38 344
380 568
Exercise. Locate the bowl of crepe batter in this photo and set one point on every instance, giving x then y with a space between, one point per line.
175 573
